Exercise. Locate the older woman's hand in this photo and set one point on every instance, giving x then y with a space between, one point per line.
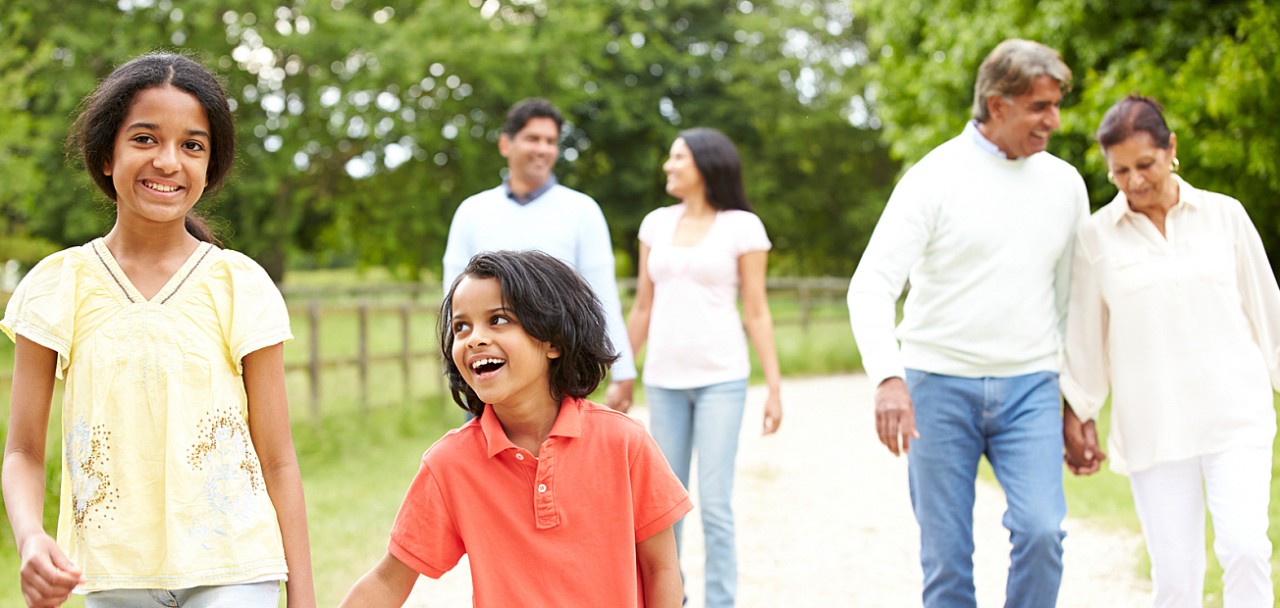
1080 439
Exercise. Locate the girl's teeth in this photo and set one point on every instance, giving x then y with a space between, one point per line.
162 188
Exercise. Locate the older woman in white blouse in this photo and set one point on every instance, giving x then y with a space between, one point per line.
1175 313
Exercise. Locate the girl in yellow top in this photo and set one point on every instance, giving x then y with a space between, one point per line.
180 486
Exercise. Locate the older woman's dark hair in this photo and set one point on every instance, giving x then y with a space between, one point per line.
1132 115
717 160
553 304
102 113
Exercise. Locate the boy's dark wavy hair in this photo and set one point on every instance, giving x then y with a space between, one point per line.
553 304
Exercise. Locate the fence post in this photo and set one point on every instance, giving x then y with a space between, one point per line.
363 337
313 364
805 305
405 352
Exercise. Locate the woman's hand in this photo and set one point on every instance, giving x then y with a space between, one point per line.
1083 456
47 575
772 413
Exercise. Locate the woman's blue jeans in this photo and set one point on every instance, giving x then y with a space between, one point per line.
706 419
1016 422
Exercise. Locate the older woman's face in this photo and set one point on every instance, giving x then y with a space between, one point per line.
1144 171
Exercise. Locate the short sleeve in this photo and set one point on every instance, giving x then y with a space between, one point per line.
424 536
648 226
658 498
252 311
749 234
42 309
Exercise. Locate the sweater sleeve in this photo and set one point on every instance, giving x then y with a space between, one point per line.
595 263
897 244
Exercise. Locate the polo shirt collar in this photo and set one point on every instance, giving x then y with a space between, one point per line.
568 424
533 194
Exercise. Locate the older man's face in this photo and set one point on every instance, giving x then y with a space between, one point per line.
1021 125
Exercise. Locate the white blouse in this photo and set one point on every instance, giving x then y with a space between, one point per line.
1182 330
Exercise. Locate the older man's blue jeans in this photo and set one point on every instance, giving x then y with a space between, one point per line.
1016 422
707 420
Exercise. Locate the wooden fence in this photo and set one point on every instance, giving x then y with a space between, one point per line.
415 357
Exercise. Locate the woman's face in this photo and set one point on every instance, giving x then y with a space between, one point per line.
683 178
1143 171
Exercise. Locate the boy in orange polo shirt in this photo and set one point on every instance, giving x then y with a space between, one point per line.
557 501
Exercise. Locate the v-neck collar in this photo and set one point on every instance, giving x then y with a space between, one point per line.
171 286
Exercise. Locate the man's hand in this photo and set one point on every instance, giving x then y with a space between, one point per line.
895 416
1083 456
618 395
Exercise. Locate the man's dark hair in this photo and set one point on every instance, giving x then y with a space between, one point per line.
554 304
520 114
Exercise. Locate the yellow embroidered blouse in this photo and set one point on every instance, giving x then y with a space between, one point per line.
161 485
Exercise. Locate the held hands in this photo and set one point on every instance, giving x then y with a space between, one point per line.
47 576
1083 456
619 394
895 416
772 413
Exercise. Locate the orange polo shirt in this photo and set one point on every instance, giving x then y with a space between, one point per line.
557 530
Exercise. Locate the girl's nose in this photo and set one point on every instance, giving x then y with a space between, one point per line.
166 159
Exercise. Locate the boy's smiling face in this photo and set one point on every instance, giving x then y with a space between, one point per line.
501 362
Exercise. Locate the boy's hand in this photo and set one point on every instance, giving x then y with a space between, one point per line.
47 576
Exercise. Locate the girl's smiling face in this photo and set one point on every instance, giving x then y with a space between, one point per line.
501 362
160 162
683 178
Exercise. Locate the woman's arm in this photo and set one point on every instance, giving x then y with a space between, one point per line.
759 324
47 576
660 570
638 320
388 583
273 440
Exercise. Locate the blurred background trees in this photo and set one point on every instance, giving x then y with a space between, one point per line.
363 124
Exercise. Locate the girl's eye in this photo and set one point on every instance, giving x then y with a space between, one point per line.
194 146
459 327
499 320
144 139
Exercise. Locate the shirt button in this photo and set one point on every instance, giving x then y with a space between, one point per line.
542 487
519 456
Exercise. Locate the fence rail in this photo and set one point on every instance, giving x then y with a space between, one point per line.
411 311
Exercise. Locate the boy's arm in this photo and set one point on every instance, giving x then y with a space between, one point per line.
389 584
660 570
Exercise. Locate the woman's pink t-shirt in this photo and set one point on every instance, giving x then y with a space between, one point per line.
695 334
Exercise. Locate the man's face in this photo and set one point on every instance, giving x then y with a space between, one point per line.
532 152
1021 125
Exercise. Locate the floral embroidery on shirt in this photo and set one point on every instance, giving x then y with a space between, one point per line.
86 457
232 474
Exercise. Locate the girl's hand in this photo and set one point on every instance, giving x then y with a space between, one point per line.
48 577
772 413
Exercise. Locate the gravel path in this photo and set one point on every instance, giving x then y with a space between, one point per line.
824 520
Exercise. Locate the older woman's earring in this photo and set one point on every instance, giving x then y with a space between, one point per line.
1174 166
1111 177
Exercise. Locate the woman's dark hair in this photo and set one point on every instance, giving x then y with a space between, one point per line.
92 137
717 160
535 107
1132 115
553 304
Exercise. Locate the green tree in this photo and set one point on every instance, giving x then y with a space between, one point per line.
1214 65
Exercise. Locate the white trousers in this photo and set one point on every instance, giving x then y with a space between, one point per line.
1170 500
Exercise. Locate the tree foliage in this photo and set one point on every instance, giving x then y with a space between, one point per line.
1214 65
363 124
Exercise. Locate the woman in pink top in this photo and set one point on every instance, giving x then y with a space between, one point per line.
696 257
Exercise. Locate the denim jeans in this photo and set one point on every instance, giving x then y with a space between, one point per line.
1016 422
265 594
707 419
